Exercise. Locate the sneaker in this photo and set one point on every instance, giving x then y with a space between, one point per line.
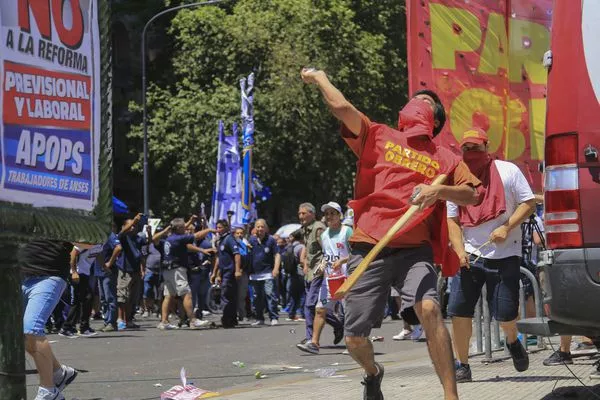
45 394
519 356
258 323
146 314
304 341
584 347
108 328
87 332
274 322
372 385
200 323
596 373
558 358
308 347
206 313
346 352
121 325
67 333
403 335
417 332
463 373
167 326
132 325
338 335
300 319
64 376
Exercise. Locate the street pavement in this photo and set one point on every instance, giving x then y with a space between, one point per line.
141 364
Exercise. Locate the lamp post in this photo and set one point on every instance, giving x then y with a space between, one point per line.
144 121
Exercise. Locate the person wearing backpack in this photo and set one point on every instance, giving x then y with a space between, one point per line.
295 282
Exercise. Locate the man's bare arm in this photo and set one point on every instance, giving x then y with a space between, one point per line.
522 212
202 234
341 108
462 195
456 240
130 224
116 252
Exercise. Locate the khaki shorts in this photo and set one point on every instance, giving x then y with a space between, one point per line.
176 282
410 271
128 286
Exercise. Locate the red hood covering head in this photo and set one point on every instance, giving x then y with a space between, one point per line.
482 165
416 119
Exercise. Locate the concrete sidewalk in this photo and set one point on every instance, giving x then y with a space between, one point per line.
416 379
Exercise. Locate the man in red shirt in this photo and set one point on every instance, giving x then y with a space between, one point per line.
393 165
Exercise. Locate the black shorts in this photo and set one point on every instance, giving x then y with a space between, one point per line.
501 278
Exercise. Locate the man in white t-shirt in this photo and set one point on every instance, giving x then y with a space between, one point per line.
336 252
487 239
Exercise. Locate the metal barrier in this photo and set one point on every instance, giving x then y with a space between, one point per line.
487 331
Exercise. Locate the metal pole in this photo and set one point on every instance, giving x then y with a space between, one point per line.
523 309
478 333
12 348
537 297
486 325
144 119
496 334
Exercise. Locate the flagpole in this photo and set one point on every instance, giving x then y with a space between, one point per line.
144 119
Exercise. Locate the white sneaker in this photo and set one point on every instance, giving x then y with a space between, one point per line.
45 394
258 322
274 322
167 326
405 334
146 314
206 313
200 323
417 332
63 377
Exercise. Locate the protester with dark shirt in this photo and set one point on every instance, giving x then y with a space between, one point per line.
130 271
175 269
107 280
200 261
227 270
81 292
44 268
265 270
152 276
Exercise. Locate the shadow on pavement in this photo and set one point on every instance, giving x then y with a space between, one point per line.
525 379
574 392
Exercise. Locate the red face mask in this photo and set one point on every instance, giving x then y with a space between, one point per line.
477 161
416 119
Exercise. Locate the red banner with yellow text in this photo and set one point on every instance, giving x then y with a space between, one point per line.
484 59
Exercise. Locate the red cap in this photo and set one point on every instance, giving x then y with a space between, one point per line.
475 136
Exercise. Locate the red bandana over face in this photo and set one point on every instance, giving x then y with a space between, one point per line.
416 119
493 204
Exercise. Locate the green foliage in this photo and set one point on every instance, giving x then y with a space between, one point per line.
298 152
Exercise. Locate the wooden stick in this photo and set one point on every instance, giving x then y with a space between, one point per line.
364 264
479 248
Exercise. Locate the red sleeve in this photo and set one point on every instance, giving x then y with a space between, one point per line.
356 142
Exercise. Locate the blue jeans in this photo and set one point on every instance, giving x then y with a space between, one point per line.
40 296
107 285
151 284
313 289
199 284
295 290
264 292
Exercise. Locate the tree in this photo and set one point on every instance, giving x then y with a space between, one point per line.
298 151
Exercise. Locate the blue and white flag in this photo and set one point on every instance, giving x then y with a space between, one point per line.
247 89
228 192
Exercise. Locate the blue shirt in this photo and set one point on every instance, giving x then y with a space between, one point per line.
107 250
131 257
175 249
263 254
227 248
